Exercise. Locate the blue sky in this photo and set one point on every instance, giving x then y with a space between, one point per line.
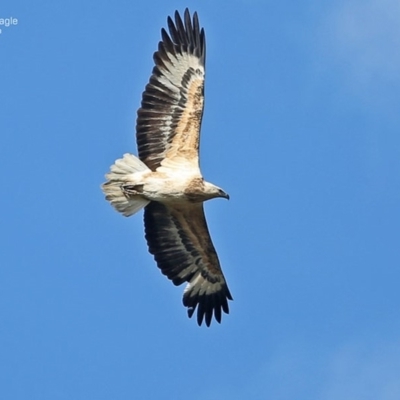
301 128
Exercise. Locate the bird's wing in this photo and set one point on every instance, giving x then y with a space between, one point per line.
178 237
169 120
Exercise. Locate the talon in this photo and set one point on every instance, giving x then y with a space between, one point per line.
128 190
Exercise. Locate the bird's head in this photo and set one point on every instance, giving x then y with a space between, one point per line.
213 191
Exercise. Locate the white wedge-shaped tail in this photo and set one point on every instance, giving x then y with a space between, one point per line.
122 173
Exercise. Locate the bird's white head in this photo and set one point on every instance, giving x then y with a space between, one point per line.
213 191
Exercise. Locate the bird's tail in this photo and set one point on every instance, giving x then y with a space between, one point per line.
121 174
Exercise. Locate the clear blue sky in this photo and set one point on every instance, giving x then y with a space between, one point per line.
301 128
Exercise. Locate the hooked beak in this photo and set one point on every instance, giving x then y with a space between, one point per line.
224 195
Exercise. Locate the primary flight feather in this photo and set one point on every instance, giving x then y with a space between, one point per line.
166 178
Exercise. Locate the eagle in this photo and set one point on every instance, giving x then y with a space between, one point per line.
166 179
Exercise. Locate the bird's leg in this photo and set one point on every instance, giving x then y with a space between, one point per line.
131 190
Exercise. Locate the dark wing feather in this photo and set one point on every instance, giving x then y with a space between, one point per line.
178 237
169 120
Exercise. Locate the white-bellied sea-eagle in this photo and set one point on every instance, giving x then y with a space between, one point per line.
166 178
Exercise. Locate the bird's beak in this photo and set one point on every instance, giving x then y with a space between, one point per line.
224 195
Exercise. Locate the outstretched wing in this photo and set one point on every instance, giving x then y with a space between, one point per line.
178 238
169 120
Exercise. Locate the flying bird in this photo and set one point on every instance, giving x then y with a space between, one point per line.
166 178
